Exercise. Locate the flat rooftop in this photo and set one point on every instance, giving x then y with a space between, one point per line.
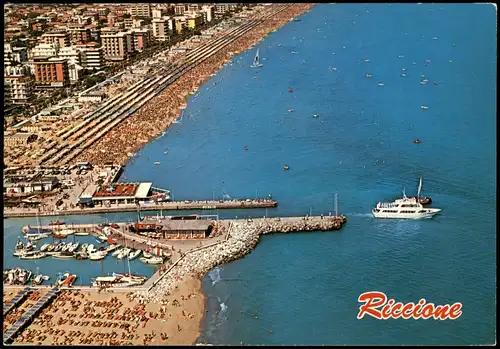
121 189
168 224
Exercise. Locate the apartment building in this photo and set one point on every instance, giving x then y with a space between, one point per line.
62 38
92 58
180 24
117 45
130 23
221 9
44 50
103 12
14 55
180 9
18 85
140 10
208 13
71 54
141 39
51 72
163 28
111 19
157 13
79 33
193 8
194 21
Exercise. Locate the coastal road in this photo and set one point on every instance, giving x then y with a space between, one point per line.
70 142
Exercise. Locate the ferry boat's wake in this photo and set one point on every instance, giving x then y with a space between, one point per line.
215 276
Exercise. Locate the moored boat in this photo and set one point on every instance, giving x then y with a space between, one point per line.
81 233
152 260
33 255
134 254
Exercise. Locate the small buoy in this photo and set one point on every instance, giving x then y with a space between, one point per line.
286 167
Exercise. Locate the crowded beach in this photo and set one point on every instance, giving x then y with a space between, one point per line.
158 114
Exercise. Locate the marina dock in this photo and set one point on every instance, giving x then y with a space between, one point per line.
172 205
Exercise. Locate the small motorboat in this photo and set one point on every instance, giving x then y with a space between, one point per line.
84 247
81 256
19 245
29 246
152 260
436 83
81 233
37 280
165 152
90 249
33 255
146 254
417 141
290 90
380 84
44 247
97 256
64 255
315 116
51 247
66 247
58 222
286 167
156 162
112 248
117 252
369 76
424 107
290 110
124 253
59 247
246 148
134 254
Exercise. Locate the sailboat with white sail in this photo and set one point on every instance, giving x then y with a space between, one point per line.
256 61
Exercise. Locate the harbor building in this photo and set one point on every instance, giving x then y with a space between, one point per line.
25 184
175 228
121 193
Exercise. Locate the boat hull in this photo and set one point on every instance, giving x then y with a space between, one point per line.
429 213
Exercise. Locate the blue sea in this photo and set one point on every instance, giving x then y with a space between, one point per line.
303 288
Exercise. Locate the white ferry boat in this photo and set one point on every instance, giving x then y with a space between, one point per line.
405 208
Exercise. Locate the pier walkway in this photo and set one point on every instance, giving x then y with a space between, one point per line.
18 299
29 316
167 206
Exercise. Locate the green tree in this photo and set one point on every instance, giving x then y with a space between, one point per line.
33 15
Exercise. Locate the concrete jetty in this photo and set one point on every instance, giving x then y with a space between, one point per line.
172 205
242 237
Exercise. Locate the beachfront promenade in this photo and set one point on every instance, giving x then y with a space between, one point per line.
172 205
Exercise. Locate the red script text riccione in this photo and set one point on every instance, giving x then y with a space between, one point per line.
376 305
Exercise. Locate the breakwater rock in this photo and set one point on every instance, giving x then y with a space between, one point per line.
242 237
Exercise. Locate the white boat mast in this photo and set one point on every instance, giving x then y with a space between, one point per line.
419 188
404 193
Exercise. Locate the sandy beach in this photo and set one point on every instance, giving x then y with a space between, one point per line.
157 115
111 318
